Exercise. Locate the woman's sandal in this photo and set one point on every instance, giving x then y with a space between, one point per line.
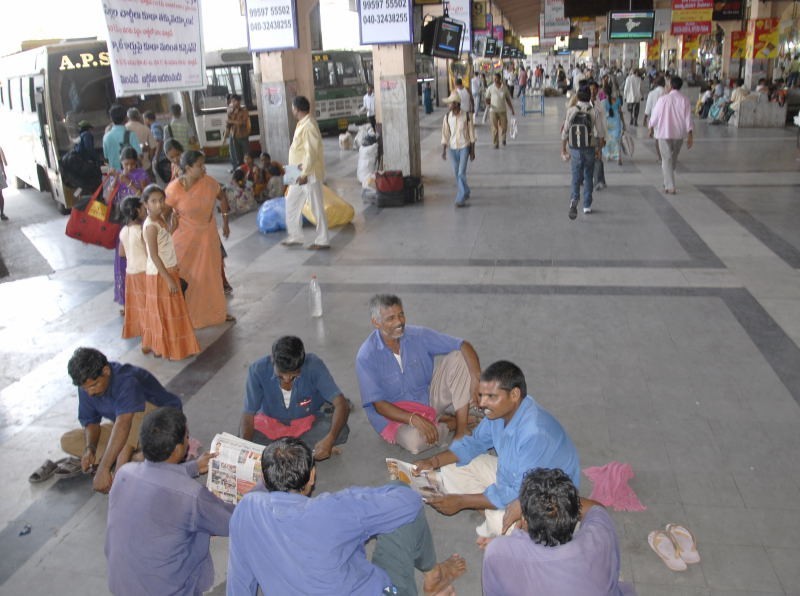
43 472
684 540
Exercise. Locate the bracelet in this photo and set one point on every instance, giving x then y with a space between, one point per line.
92 448
410 418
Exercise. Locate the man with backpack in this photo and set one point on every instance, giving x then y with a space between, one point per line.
584 132
458 135
118 137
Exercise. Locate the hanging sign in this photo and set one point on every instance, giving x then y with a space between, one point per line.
154 48
762 39
738 45
555 25
479 16
691 17
271 25
691 45
461 10
385 21
654 51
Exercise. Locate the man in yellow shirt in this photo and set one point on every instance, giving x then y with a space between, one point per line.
305 153
497 98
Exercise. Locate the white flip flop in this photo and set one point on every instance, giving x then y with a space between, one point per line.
684 540
665 548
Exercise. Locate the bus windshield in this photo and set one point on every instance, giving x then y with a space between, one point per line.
332 70
221 81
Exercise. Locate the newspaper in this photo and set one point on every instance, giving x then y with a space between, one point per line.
291 174
427 483
236 469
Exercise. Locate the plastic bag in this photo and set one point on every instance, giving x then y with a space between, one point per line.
338 212
272 216
367 161
512 128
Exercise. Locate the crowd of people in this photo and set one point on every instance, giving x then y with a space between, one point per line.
497 451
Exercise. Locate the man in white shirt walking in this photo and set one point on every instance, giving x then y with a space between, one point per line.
670 123
369 106
458 135
632 92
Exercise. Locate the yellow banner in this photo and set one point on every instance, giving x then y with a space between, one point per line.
692 15
654 51
691 44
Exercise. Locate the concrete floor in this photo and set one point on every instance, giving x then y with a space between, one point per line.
661 331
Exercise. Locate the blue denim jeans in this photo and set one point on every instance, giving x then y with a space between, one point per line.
460 158
582 164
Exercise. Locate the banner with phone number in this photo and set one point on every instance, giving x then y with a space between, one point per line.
154 47
271 25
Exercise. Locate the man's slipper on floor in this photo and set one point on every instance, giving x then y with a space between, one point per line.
69 467
43 472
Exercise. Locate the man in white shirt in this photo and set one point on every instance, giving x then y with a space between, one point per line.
465 94
497 98
136 125
458 135
369 106
652 98
632 93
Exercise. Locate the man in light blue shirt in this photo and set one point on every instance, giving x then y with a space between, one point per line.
160 520
287 542
523 434
406 401
114 140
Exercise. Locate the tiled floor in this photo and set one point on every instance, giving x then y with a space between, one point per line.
662 331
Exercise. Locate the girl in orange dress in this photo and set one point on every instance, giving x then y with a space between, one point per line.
193 197
132 249
167 330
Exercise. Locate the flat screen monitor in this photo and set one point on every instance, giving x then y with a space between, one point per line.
447 38
491 48
578 43
631 25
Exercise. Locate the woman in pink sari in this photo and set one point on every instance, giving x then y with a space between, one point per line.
193 197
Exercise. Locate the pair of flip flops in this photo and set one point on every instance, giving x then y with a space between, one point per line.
675 545
67 467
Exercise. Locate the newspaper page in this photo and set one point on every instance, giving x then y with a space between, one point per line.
236 469
427 483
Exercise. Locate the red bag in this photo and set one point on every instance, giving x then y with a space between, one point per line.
91 225
389 181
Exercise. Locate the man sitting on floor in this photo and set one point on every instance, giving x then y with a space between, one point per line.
160 520
287 542
121 393
547 555
292 394
523 434
406 401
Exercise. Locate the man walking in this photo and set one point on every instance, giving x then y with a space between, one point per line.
458 135
305 153
497 98
584 131
670 123
632 92
238 130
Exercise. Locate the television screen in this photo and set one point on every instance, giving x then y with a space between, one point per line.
627 26
599 8
447 40
578 43
491 48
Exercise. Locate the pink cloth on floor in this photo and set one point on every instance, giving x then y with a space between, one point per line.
611 486
389 432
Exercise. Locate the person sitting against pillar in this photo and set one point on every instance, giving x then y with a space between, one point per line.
285 541
118 392
522 433
406 400
292 394
550 553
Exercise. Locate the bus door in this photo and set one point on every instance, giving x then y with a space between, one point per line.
44 129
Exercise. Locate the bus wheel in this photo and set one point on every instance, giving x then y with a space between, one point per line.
20 183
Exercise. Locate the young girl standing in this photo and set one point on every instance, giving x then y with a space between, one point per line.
168 330
132 249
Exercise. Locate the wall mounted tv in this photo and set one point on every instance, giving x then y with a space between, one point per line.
578 43
491 48
441 37
631 26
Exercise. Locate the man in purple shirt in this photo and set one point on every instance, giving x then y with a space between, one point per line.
670 123
117 392
160 520
406 401
287 542
546 554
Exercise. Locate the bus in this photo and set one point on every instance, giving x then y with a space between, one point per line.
227 71
340 82
44 92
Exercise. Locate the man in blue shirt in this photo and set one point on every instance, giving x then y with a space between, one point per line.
287 542
120 393
524 436
114 139
292 394
160 520
406 401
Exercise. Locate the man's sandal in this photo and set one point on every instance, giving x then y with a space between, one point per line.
43 472
69 467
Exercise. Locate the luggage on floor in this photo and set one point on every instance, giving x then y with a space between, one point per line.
415 190
390 181
338 212
391 198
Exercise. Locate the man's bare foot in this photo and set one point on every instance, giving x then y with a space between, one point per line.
439 579
483 541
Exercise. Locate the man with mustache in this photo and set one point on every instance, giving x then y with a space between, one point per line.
406 400
523 434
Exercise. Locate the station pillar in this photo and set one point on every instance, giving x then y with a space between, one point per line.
285 75
396 106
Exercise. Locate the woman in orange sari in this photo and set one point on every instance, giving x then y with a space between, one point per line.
193 197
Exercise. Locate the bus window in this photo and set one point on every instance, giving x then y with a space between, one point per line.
17 91
253 99
29 103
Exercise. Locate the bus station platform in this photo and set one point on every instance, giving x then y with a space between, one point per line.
662 331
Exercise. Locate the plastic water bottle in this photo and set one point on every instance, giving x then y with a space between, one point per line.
314 297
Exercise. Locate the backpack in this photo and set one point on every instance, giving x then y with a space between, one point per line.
581 127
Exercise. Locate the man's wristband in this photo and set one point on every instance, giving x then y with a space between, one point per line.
92 448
